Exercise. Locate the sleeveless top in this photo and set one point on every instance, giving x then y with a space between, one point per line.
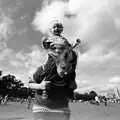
60 89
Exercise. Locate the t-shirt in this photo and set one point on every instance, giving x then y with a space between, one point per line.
59 90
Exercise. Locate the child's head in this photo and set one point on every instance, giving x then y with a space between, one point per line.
56 28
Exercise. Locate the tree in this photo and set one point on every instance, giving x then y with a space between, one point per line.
0 72
13 87
9 85
86 96
92 94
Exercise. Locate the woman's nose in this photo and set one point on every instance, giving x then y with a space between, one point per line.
58 51
62 66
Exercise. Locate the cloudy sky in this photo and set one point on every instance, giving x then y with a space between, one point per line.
95 22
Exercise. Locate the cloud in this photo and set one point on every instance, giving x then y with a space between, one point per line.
30 60
22 62
96 54
82 83
21 56
9 61
16 63
49 13
5 53
115 80
86 85
104 88
36 57
5 23
93 20
6 29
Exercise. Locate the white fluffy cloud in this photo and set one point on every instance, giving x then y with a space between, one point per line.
92 20
22 64
48 14
6 29
115 80
5 53
96 54
30 60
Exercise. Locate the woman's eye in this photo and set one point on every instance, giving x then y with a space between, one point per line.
53 48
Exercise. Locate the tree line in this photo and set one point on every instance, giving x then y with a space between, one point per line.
13 87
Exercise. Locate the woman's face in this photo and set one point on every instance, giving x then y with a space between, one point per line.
58 49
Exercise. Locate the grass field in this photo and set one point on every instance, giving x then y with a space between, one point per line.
80 111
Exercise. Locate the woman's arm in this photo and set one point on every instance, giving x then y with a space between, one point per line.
39 75
35 86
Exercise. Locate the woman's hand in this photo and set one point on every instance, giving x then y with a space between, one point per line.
42 85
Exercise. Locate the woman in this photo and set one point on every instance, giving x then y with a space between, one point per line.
54 91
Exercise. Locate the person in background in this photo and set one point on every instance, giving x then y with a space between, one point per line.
29 100
1 99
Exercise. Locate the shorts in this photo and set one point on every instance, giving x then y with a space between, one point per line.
45 113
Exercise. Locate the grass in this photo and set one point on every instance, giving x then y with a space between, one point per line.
15 111
85 111
80 111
